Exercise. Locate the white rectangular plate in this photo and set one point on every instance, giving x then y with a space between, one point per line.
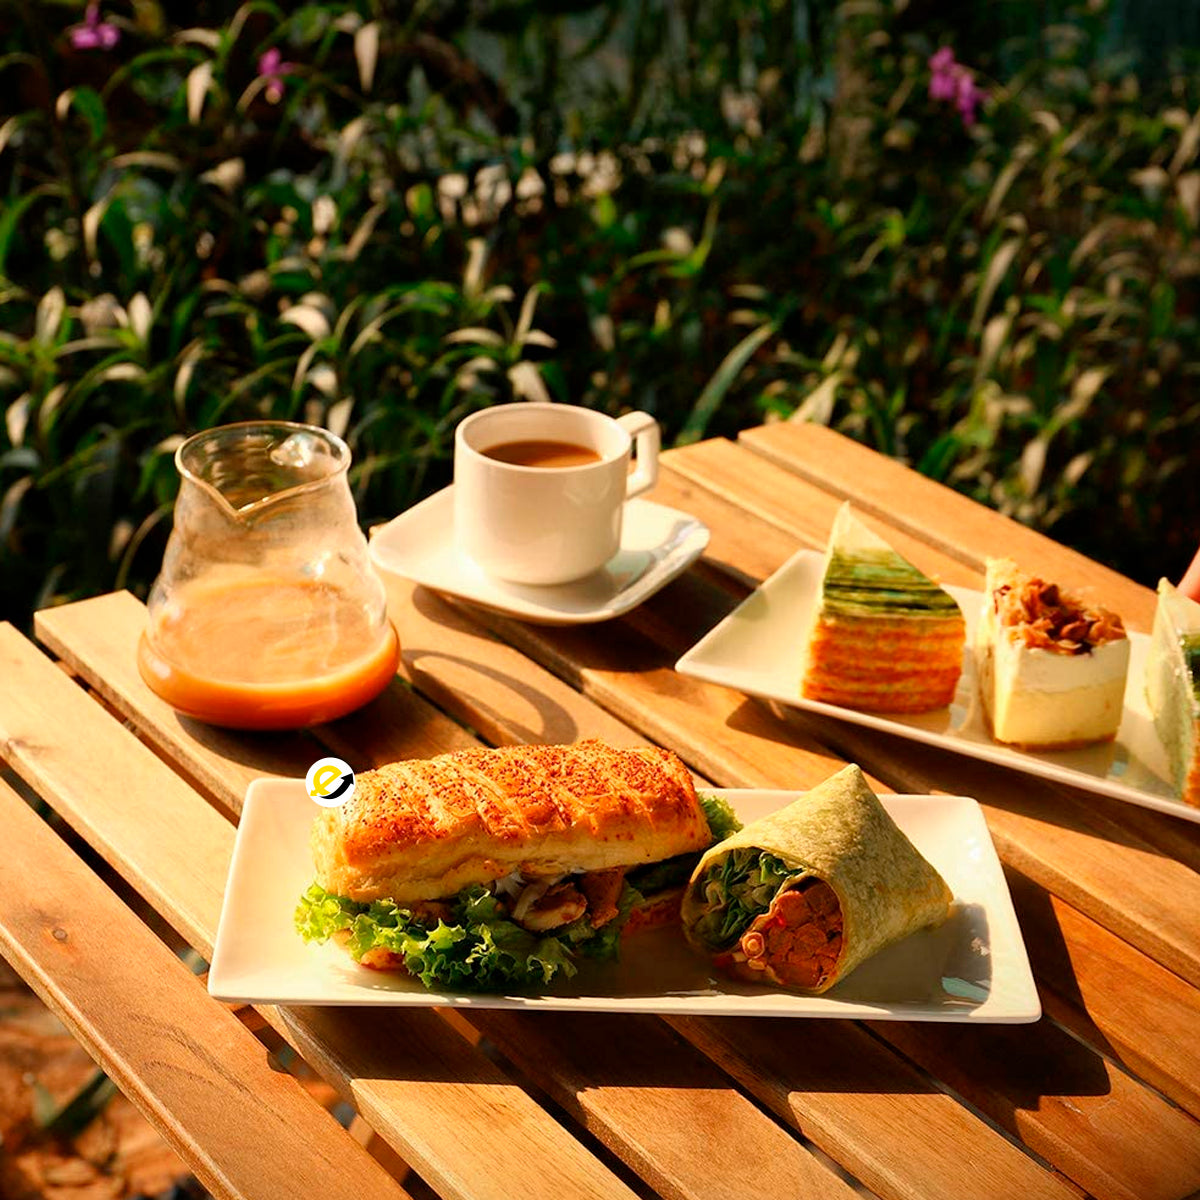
760 648
972 968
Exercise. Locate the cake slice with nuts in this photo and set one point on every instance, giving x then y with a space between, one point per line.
1051 667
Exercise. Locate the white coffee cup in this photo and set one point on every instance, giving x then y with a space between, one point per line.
548 524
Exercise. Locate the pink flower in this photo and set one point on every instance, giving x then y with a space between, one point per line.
94 34
968 99
942 60
272 68
943 70
951 81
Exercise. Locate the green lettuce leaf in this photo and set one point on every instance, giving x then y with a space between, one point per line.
721 818
675 872
737 889
480 949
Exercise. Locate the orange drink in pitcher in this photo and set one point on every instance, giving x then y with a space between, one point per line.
267 613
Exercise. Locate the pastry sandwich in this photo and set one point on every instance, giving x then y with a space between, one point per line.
489 869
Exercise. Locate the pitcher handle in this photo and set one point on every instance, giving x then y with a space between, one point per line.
643 429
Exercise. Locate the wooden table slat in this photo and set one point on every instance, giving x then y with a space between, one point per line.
924 1176
715 730
659 1104
487 684
175 849
1104 1130
958 525
748 545
766 495
186 1062
852 1097
463 1124
1110 995
114 791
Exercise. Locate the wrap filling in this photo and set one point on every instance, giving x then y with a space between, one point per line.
766 922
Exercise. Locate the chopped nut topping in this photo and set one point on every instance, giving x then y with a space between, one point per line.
1045 618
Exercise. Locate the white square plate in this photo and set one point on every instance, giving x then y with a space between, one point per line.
657 544
759 649
972 968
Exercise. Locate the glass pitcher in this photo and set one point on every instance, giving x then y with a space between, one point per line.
267 613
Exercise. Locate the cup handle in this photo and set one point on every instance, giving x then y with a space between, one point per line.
643 429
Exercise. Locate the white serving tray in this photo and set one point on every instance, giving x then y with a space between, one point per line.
972 969
759 649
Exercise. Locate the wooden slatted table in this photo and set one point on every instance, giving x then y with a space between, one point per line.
1100 1097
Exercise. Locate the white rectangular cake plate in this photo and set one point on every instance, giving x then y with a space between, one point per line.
760 648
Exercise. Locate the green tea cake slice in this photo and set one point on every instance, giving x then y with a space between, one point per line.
1173 686
884 637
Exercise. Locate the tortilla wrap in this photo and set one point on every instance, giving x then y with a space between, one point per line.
852 884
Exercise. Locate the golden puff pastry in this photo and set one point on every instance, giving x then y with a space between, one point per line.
426 828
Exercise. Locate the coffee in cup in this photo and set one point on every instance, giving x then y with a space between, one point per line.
540 489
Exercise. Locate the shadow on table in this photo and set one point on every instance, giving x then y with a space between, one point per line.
913 767
554 723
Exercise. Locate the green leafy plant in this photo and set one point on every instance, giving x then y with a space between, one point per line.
379 217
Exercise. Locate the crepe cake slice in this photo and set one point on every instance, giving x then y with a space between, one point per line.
1051 666
1173 686
884 636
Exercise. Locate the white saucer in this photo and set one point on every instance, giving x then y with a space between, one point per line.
657 543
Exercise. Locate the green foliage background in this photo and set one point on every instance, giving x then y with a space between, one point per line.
719 213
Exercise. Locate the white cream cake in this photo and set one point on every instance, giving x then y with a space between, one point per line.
1051 668
1173 686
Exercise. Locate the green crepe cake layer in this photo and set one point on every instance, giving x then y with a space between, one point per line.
884 636
1173 686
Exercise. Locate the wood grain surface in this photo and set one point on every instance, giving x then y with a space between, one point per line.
411 1063
184 1061
342 1044
1117 1166
165 839
1110 995
891 1115
1084 1101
